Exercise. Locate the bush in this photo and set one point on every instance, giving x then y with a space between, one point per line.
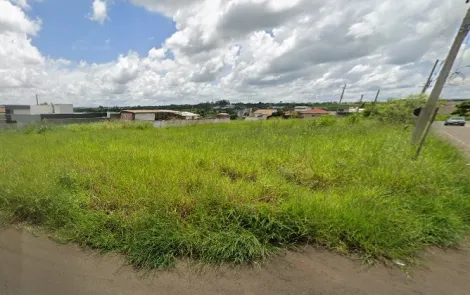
324 121
442 117
397 110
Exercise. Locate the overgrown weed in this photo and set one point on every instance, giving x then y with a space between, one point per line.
236 192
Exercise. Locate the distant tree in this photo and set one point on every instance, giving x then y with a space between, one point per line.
396 110
462 109
279 113
222 102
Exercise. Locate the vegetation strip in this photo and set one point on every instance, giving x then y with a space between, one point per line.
236 192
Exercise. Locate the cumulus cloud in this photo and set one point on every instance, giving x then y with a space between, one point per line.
245 50
99 11
13 19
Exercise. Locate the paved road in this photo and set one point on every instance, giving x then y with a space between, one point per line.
460 135
35 265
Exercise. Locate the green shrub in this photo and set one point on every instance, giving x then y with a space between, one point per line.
398 111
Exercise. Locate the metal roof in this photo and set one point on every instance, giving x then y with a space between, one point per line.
150 111
265 112
188 114
314 111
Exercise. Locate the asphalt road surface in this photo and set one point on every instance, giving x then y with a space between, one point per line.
36 265
458 134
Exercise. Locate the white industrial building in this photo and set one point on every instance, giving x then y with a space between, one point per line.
35 113
153 115
41 109
63 108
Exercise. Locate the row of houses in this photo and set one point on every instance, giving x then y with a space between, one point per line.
304 112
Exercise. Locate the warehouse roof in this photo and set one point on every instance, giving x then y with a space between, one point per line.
188 114
265 112
150 111
314 111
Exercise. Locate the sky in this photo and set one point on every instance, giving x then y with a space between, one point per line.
155 52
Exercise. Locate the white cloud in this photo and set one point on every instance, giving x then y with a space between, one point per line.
21 3
155 53
13 19
100 11
245 50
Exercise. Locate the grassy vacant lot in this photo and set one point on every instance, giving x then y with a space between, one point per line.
235 192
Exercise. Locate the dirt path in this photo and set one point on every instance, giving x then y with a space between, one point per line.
34 265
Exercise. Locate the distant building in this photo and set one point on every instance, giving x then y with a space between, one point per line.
264 114
189 115
223 116
17 109
63 108
113 115
41 109
140 115
312 113
302 108
3 118
24 114
154 115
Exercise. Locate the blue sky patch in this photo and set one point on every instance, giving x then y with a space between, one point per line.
68 33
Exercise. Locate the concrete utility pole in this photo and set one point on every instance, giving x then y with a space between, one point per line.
360 103
377 96
426 132
341 98
375 100
427 111
37 101
428 82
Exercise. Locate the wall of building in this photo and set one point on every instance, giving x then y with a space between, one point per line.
26 119
21 112
170 123
65 121
127 116
61 121
63 108
41 109
145 117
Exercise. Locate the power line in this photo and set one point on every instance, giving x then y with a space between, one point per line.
427 112
428 82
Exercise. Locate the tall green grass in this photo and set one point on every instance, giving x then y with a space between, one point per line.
236 192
